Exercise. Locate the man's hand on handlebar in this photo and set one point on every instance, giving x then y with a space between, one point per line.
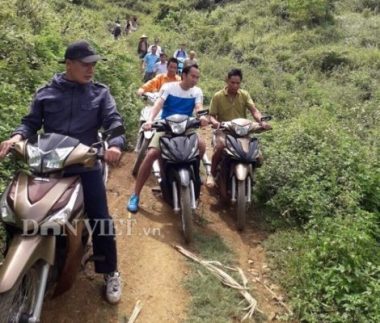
147 126
112 155
203 121
6 145
215 124
265 126
140 91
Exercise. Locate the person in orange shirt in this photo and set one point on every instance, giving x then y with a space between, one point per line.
154 85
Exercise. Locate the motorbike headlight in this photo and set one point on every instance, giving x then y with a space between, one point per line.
62 216
54 159
178 128
241 130
34 157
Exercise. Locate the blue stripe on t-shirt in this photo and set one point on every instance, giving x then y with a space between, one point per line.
177 105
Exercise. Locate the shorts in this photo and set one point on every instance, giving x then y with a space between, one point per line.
155 142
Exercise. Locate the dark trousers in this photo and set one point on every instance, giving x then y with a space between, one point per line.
103 234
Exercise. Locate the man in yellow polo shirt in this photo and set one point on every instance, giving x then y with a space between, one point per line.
155 84
227 104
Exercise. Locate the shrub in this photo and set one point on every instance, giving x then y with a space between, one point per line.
361 5
332 272
314 168
311 12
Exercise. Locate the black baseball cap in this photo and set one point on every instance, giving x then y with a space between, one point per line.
82 51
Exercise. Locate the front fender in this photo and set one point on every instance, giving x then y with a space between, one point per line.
241 171
23 252
184 176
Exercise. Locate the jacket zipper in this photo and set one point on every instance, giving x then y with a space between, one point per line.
71 111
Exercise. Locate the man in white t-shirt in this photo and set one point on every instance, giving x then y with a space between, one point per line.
161 66
155 43
182 97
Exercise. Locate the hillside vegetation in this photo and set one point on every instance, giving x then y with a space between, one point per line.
314 65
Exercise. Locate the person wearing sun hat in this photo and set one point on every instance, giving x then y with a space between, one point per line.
142 47
73 104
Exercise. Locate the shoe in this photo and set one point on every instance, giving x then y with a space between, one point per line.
133 204
210 182
113 287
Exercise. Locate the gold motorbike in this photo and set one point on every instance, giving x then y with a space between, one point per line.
43 214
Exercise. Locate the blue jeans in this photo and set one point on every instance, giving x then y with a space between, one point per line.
95 201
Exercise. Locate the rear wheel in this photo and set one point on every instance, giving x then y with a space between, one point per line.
17 304
186 213
140 157
241 205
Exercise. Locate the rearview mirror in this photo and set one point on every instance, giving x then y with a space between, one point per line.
203 112
113 132
266 118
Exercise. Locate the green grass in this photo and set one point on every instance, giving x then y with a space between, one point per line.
210 300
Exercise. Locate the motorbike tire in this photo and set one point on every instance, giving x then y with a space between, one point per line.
140 157
104 165
241 205
17 304
139 140
186 213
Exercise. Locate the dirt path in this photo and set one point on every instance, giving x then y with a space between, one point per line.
152 270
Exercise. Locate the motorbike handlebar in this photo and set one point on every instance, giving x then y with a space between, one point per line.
152 96
257 127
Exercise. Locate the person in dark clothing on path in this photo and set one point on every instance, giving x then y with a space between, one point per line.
73 104
117 30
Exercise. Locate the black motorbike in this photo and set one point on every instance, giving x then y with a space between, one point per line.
235 171
180 160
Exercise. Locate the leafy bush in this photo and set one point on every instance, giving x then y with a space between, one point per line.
164 11
314 168
312 12
361 5
332 272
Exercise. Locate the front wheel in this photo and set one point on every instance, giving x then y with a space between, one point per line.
17 304
186 213
105 170
241 205
104 165
140 157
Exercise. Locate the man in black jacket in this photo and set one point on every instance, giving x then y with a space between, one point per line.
73 105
